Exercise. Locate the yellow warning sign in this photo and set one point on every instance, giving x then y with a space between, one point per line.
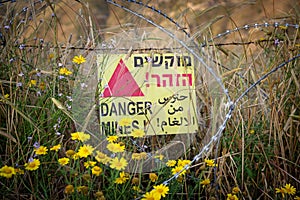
150 92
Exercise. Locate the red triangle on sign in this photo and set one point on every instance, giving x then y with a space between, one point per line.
122 84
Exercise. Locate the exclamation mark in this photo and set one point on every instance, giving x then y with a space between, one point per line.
147 79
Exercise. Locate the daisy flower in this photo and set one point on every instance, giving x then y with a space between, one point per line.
78 59
119 164
7 171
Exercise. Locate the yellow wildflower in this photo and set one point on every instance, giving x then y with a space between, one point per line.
283 27
102 158
33 164
171 163
63 161
151 196
69 189
19 171
135 156
289 189
161 190
83 189
297 198
143 155
76 156
122 178
135 181
235 190
80 136
177 169
42 86
50 56
205 182
119 164
7 171
232 197
112 138
136 188
64 71
280 190
96 170
32 82
182 163
160 157
210 162
153 177
85 150
125 122
88 164
55 148
115 147
139 156
70 153
99 194
78 59
6 96
42 150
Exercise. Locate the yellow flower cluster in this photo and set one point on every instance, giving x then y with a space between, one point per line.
115 147
64 71
80 136
287 189
102 158
85 151
153 177
89 164
69 189
32 164
55 148
139 156
8 172
42 150
205 182
112 138
157 193
179 168
232 197
123 177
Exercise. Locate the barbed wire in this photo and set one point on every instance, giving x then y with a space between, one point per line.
6 1
230 104
228 116
249 26
162 14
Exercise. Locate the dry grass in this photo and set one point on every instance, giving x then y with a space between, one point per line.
259 149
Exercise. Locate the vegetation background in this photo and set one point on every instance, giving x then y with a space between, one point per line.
259 149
